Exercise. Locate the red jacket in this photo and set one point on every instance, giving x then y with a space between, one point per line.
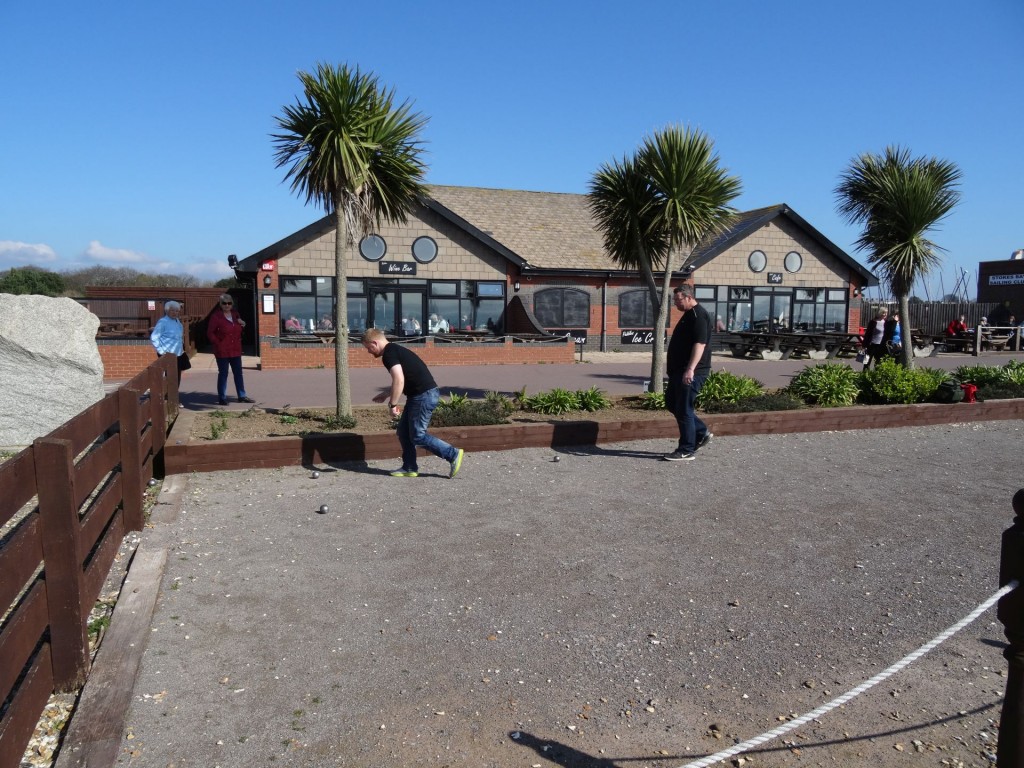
225 336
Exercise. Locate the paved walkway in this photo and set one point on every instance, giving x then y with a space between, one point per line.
616 373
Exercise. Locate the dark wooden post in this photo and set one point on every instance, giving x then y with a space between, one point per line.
62 568
132 483
1011 614
159 383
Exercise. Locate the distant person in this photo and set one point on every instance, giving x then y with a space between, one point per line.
437 324
292 324
957 328
411 326
168 336
224 330
688 366
411 376
874 338
719 324
325 324
893 337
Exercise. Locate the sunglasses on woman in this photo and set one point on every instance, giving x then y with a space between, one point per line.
227 303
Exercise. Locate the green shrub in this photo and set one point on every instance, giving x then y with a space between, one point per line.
287 418
725 387
652 401
329 422
767 401
826 384
463 412
1014 372
980 375
553 402
592 399
890 383
500 402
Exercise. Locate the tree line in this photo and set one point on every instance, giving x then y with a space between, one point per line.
42 282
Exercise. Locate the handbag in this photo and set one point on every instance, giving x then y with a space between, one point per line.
183 362
862 356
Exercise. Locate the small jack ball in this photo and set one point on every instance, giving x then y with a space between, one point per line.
323 509
315 475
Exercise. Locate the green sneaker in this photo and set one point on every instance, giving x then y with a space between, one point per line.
456 463
404 473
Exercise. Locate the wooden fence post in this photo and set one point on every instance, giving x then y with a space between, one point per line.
1011 614
60 526
159 382
132 483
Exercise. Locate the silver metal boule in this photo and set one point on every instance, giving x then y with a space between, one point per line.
323 509
557 458
315 475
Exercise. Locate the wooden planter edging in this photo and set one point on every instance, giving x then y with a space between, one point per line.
181 455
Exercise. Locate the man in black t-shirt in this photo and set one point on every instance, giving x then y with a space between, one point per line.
689 363
411 377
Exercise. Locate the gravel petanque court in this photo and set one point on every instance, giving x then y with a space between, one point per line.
607 609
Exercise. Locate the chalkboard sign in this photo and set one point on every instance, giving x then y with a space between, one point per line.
397 268
579 335
638 337
774 278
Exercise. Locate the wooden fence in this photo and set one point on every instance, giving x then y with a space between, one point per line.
66 503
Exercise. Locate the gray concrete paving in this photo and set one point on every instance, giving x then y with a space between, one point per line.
312 388
607 609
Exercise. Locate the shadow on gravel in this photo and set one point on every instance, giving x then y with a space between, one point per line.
559 753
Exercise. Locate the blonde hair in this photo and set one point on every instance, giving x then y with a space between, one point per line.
372 334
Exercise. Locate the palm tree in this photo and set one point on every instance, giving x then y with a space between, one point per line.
654 210
349 149
899 200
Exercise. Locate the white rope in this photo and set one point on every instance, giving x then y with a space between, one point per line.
838 702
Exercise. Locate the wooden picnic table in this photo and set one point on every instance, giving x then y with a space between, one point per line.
780 345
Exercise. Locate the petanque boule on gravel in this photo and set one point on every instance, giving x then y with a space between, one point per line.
323 509
315 475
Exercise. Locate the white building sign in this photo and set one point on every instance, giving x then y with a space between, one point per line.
1006 279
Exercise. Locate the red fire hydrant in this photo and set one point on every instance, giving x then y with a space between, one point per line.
969 390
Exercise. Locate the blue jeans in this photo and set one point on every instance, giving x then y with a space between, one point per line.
412 430
680 399
222 376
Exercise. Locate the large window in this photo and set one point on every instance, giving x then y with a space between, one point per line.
562 308
307 304
635 310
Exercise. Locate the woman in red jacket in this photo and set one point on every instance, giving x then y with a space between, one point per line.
224 330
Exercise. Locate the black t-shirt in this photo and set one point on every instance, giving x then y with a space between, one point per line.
417 376
694 327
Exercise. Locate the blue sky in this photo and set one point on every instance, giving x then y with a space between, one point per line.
138 134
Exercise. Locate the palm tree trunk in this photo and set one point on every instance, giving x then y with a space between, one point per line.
907 353
658 357
342 389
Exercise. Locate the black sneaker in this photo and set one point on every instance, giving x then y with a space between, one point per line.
679 456
705 440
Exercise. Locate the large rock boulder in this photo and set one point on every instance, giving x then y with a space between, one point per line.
50 367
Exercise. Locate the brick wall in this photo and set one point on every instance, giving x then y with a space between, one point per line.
124 359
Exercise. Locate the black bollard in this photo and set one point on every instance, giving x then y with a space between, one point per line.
1011 614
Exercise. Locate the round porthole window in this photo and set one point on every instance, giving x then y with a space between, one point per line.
424 249
793 261
373 247
757 261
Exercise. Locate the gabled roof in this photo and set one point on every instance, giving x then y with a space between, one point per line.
551 230
746 223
